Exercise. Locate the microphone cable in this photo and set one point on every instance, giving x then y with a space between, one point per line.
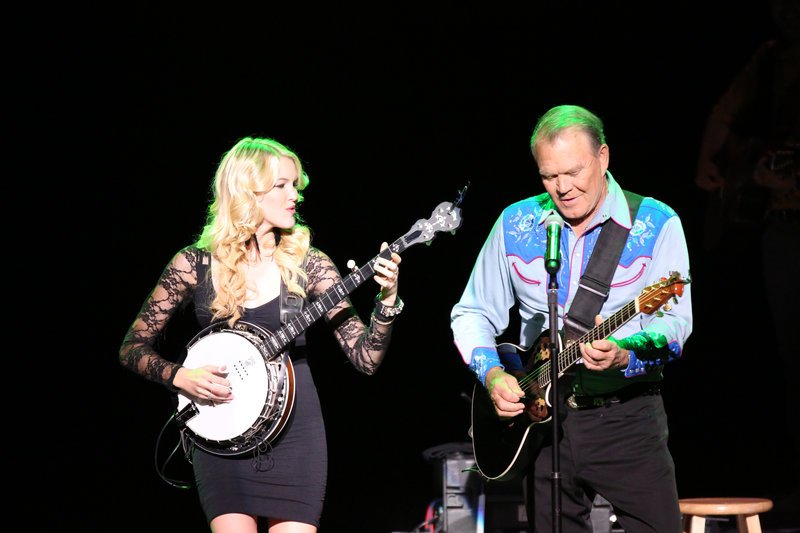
161 469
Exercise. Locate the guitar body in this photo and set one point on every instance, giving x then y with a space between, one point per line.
502 448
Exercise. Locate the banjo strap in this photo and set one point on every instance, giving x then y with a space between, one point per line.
292 304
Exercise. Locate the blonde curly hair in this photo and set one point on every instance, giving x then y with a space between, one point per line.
233 216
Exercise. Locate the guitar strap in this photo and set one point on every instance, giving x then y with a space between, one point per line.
595 283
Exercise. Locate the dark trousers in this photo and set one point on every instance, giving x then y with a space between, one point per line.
619 451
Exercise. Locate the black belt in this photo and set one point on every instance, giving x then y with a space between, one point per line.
580 401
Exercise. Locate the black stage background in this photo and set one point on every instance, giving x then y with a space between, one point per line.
392 113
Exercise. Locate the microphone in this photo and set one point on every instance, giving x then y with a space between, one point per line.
552 257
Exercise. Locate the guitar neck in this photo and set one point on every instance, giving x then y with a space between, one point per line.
572 353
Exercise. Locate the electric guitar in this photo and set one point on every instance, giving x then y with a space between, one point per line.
261 371
501 446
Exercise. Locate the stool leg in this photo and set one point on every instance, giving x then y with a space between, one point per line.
748 523
697 524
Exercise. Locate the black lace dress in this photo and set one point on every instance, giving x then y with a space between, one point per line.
286 480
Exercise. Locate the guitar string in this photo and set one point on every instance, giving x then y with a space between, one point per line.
543 371
603 330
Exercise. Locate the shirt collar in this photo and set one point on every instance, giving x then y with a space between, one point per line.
615 205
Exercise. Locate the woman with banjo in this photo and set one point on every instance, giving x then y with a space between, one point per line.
252 273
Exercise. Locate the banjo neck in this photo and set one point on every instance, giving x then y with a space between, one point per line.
315 309
446 217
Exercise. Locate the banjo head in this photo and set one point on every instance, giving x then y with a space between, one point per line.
258 385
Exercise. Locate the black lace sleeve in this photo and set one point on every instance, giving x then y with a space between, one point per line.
137 352
365 346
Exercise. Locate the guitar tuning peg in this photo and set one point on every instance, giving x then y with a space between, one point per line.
428 243
667 307
452 232
351 265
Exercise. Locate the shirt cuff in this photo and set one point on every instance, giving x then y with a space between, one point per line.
635 366
483 360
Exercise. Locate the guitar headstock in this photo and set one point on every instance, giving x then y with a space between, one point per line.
658 295
446 217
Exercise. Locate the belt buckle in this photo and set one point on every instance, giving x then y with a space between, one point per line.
587 402
571 401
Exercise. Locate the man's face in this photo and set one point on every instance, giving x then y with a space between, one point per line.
573 173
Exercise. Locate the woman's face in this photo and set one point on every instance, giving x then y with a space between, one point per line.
278 204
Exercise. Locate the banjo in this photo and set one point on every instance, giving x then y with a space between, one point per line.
259 367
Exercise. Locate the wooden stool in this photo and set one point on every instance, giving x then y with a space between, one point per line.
695 511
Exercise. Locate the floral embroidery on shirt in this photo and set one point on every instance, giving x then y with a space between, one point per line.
642 231
521 226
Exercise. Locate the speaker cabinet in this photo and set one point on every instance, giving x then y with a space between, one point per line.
461 494
471 506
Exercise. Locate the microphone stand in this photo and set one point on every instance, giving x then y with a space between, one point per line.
552 268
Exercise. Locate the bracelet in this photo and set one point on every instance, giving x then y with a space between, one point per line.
388 312
375 320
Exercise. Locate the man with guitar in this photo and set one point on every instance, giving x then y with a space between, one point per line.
613 433
248 273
